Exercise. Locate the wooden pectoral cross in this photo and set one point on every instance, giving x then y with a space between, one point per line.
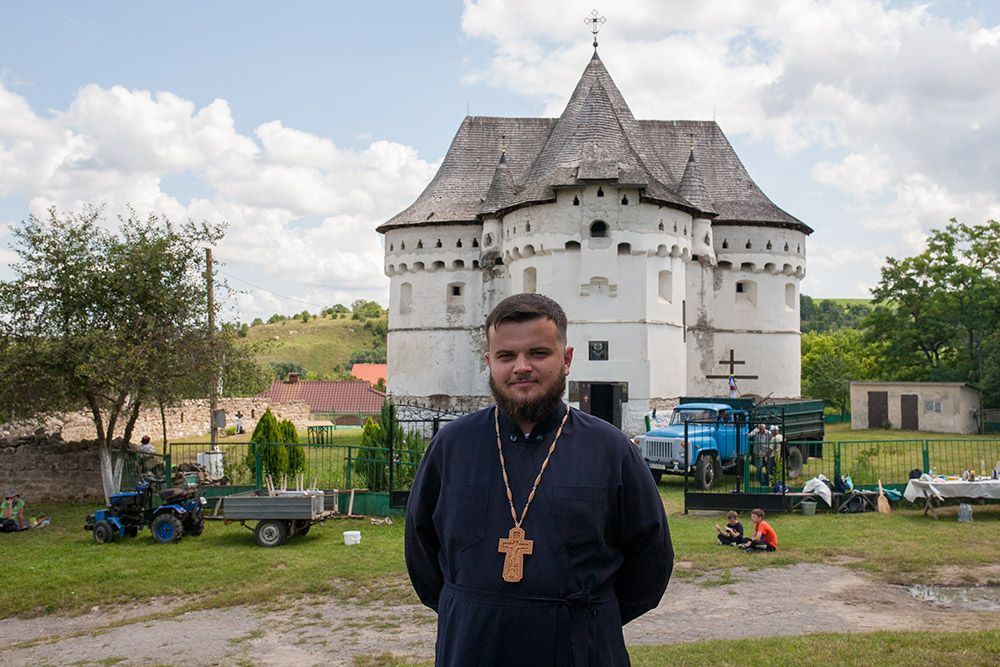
515 548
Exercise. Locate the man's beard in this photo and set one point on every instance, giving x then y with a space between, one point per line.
529 410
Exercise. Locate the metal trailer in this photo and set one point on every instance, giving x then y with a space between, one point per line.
279 514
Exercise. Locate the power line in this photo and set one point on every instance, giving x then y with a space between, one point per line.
272 292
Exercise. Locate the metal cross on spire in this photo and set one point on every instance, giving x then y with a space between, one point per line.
594 21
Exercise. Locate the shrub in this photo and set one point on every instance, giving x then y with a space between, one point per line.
371 467
266 439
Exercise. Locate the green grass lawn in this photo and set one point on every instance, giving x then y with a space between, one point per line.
61 568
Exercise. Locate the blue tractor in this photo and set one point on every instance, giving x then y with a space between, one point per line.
178 514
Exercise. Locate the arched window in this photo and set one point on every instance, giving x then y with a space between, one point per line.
530 280
405 298
572 245
598 229
746 293
624 248
791 300
666 286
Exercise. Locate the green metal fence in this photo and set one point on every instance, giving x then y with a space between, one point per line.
245 465
868 461
131 466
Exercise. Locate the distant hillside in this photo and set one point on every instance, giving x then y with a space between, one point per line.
829 315
322 346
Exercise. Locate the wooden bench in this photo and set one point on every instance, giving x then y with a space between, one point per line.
870 498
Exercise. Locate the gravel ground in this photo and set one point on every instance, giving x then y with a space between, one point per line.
794 600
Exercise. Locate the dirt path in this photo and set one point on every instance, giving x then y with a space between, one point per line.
794 600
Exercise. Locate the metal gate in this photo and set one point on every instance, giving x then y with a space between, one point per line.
426 422
750 469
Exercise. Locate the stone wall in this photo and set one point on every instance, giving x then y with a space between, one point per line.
189 419
44 467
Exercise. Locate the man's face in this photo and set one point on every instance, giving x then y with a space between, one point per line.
528 365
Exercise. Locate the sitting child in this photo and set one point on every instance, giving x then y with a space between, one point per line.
12 513
732 534
764 537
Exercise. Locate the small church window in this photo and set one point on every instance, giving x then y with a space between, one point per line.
685 230
624 248
769 246
624 200
475 243
456 290
675 227
402 245
530 280
405 298
438 244
598 229
725 244
746 293
666 286
390 248
661 226
597 350
572 245
458 243
798 248
600 191
420 244
740 287
515 229
786 246
791 298
576 200
527 227
749 244
455 303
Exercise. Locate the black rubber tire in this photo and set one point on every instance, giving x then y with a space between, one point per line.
301 527
271 533
793 464
706 472
195 528
104 532
167 528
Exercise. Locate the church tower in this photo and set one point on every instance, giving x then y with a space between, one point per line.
674 269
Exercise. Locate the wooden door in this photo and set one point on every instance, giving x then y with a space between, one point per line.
908 407
878 408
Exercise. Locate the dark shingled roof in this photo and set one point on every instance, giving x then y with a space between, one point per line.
497 164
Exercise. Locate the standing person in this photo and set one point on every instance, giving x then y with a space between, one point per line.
12 513
239 422
759 442
535 531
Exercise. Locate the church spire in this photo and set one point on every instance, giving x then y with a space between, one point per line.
693 188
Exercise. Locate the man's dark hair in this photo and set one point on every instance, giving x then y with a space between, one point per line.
524 308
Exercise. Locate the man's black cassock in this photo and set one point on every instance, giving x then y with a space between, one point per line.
602 554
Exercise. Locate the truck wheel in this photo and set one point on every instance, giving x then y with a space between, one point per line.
271 533
794 463
167 528
706 471
195 528
104 532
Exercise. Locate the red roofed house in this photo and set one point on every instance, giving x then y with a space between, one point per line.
346 402
371 373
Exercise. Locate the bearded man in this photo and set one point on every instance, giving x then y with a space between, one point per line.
535 531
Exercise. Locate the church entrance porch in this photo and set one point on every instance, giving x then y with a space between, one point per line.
601 399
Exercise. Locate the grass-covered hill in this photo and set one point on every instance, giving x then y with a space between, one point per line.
321 346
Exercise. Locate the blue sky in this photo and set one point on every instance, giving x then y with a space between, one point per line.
306 124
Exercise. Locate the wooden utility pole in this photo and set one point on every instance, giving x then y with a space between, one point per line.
214 389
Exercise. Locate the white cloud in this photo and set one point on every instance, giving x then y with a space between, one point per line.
115 147
894 106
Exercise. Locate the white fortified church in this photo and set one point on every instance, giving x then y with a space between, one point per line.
675 270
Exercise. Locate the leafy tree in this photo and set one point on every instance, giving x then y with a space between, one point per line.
336 311
105 319
266 439
362 310
939 311
372 466
256 322
831 361
281 369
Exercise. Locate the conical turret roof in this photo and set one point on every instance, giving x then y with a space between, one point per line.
597 138
693 187
502 189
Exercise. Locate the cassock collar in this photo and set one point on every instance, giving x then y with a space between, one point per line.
511 432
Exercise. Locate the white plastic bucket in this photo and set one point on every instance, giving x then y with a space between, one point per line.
352 537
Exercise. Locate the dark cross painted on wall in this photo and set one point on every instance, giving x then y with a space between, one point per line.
732 362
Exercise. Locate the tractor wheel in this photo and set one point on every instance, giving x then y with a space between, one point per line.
706 471
195 528
104 532
271 533
793 464
167 528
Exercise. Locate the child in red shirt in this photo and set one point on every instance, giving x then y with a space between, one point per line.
764 537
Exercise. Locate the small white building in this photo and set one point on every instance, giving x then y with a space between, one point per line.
942 407
675 270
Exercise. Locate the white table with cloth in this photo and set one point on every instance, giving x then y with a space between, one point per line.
939 489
